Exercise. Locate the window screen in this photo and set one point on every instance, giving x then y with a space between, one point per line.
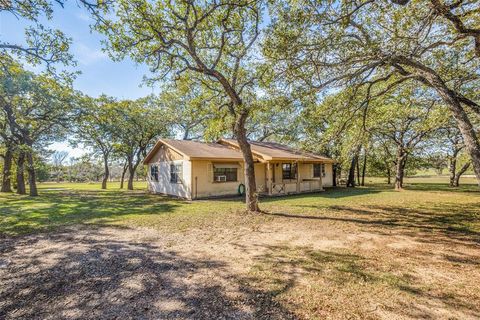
154 172
224 174
175 173
318 169
289 171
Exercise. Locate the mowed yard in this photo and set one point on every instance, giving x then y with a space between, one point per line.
77 252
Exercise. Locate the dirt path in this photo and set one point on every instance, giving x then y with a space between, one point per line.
285 268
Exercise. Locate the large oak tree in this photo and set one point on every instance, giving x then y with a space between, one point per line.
211 41
379 45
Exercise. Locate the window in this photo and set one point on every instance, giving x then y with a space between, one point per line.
289 171
154 172
317 168
176 173
224 174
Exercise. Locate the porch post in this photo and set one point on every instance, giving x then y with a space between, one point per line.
298 176
269 178
321 178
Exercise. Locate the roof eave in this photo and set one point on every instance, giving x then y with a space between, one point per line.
157 146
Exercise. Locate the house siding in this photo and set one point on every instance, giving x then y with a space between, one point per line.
196 180
203 184
163 159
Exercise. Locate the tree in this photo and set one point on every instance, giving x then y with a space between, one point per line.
36 109
406 119
211 41
380 46
96 128
138 124
462 15
42 45
188 105
6 154
453 141
58 158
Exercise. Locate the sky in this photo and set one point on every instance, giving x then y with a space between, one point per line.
99 74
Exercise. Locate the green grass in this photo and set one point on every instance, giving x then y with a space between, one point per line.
309 278
434 206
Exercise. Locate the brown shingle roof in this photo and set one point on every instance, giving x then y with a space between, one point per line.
228 149
273 151
196 149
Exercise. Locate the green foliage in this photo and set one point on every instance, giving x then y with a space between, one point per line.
42 45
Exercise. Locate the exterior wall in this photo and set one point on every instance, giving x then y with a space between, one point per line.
197 177
166 154
261 177
163 158
203 184
328 179
305 171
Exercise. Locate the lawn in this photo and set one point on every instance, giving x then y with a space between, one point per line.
369 253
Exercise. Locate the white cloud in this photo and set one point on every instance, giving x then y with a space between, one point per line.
83 16
87 55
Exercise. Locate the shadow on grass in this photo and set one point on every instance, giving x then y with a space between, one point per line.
96 277
348 274
329 193
454 220
428 186
24 214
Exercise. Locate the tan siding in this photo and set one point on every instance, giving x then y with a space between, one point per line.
260 177
203 186
166 154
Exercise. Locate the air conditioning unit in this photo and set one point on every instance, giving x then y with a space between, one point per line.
221 178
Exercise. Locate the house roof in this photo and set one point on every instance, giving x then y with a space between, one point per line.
196 150
227 149
277 151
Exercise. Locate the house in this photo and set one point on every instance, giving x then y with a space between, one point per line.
192 169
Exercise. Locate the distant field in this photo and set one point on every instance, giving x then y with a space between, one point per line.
142 185
435 179
115 185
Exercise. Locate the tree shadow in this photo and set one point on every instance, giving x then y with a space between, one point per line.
342 271
431 186
93 277
454 221
24 214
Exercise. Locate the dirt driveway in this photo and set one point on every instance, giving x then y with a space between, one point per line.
285 267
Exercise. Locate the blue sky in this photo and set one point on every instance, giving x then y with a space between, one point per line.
99 73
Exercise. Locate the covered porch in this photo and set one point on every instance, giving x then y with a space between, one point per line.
282 177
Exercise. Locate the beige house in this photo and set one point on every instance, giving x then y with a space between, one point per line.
192 169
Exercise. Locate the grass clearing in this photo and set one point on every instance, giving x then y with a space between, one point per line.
369 252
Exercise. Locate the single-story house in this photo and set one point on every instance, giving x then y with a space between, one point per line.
192 169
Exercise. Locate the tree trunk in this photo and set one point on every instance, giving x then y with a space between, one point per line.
357 165
334 175
21 189
389 175
131 175
351 174
122 179
462 170
106 172
400 169
251 197
32 180
364 167
452 169
7 171
469 137
132 167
